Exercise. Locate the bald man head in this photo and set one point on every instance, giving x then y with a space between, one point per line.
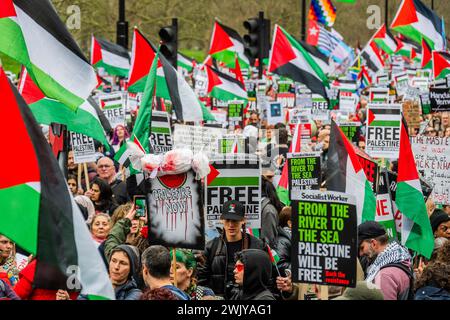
106 169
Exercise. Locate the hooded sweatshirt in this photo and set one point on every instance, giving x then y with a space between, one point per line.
257 274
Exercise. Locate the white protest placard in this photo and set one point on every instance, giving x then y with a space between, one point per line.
221 116
401 83
319 110
237 177
197 138
348 101
421 83
160 134
383 130
383 79
299 116
432 156
303 96
113 107
83 148
275 113
379 95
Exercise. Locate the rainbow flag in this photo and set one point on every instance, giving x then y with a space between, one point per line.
322 11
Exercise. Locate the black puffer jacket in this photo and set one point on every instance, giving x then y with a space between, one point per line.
283 248
213 274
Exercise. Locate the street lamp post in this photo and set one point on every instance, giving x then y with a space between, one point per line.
303 35
122 26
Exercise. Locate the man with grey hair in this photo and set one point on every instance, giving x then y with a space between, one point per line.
156 264
106 171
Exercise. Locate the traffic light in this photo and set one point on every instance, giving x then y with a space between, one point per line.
169 42
257 40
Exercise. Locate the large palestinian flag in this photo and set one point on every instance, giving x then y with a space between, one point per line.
142 54
225 44
385 40
372 57
110 56
224 87
288 58
441 64
416 21
321 59
346 174
46 111
416 232
38 211
32 33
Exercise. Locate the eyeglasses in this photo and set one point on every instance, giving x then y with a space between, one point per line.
239 267
104 166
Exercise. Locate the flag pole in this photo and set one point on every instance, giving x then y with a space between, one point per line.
174 266
303 31
86 176
79 175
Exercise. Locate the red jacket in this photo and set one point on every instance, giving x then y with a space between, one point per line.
24 288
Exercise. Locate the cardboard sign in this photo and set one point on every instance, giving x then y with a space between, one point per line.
286 99
348 101
412 112
235 112
324 238
233 144
176 212
383 130
440 99
275 113
113 108
371 171
379 95
304 171
432 157
319 110
160 133
350 129
83 148
197 138
385 211
237 177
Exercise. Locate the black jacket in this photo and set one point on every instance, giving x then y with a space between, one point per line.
119 189
257 276
283 248
213 273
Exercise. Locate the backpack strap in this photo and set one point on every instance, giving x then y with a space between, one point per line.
410 274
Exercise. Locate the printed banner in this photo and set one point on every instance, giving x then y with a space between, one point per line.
324 235
113 107
233 177
351 130
440 99
286 99
304 171
385 212
176 212
160 134
432 156
348 101
197 138
83 148
383 130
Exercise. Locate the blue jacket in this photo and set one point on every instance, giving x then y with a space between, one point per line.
181 295
431 293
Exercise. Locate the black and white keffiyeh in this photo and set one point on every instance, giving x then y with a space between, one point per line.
394 253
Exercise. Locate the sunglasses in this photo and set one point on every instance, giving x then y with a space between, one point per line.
239 267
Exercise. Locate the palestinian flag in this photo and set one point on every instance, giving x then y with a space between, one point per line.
185 62
416 233
38 211
225 44
382 117
283 185
142 54
406 47
224 87
185 102
416 21
364 78
141 131
110 56
46 111
372 57
32 33
288 58
321 59
346 174
385 40
441 64
426 62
